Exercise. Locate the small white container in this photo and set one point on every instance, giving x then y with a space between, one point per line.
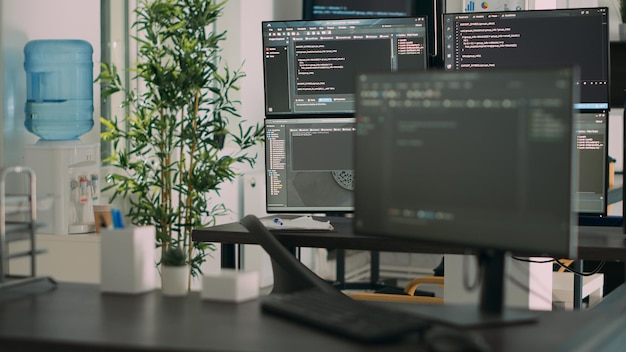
230 285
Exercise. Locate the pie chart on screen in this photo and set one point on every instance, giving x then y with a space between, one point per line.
484 5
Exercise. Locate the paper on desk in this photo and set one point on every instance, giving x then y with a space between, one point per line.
301 223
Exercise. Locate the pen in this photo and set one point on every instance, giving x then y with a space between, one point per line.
117 219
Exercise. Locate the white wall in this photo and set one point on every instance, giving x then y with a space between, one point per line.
20 22
242 19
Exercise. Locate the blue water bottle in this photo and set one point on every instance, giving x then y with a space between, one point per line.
59 83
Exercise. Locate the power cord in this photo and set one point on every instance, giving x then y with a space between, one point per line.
563 265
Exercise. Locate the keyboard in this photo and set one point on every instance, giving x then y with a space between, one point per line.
340 315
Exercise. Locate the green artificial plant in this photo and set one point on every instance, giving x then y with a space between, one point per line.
174 256
174 149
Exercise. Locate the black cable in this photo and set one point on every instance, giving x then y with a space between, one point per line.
561 264
532 260
580 273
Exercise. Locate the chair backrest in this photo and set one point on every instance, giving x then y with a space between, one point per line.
564 263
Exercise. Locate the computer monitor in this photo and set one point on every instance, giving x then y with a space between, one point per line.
329 9
533 38
309 66
309 165
481 159
592 144
538 38
431 9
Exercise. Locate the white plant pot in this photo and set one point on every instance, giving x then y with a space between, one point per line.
174 280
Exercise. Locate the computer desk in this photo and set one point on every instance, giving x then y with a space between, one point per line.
78 317
594 243
342 237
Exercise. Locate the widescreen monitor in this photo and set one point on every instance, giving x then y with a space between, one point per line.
431 9
539 38
533 38
309 165
480 159
309 66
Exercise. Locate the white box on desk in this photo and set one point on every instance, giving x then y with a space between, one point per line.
128 262
230 285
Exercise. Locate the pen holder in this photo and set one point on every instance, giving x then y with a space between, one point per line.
128 262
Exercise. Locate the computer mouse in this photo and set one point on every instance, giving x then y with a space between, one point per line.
442 339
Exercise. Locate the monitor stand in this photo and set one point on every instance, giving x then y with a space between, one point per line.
491 311
290 275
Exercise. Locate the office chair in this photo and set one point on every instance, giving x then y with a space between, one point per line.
562 265
409 293
408 290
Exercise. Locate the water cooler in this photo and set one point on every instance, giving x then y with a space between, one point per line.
59 109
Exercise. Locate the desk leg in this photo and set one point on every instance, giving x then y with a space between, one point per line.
341 269
229 257
578 285
296 251
340 273
374 268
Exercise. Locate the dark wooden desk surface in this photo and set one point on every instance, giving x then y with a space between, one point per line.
594 243
77 317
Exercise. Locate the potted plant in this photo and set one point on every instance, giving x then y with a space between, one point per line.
174 271
175 147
